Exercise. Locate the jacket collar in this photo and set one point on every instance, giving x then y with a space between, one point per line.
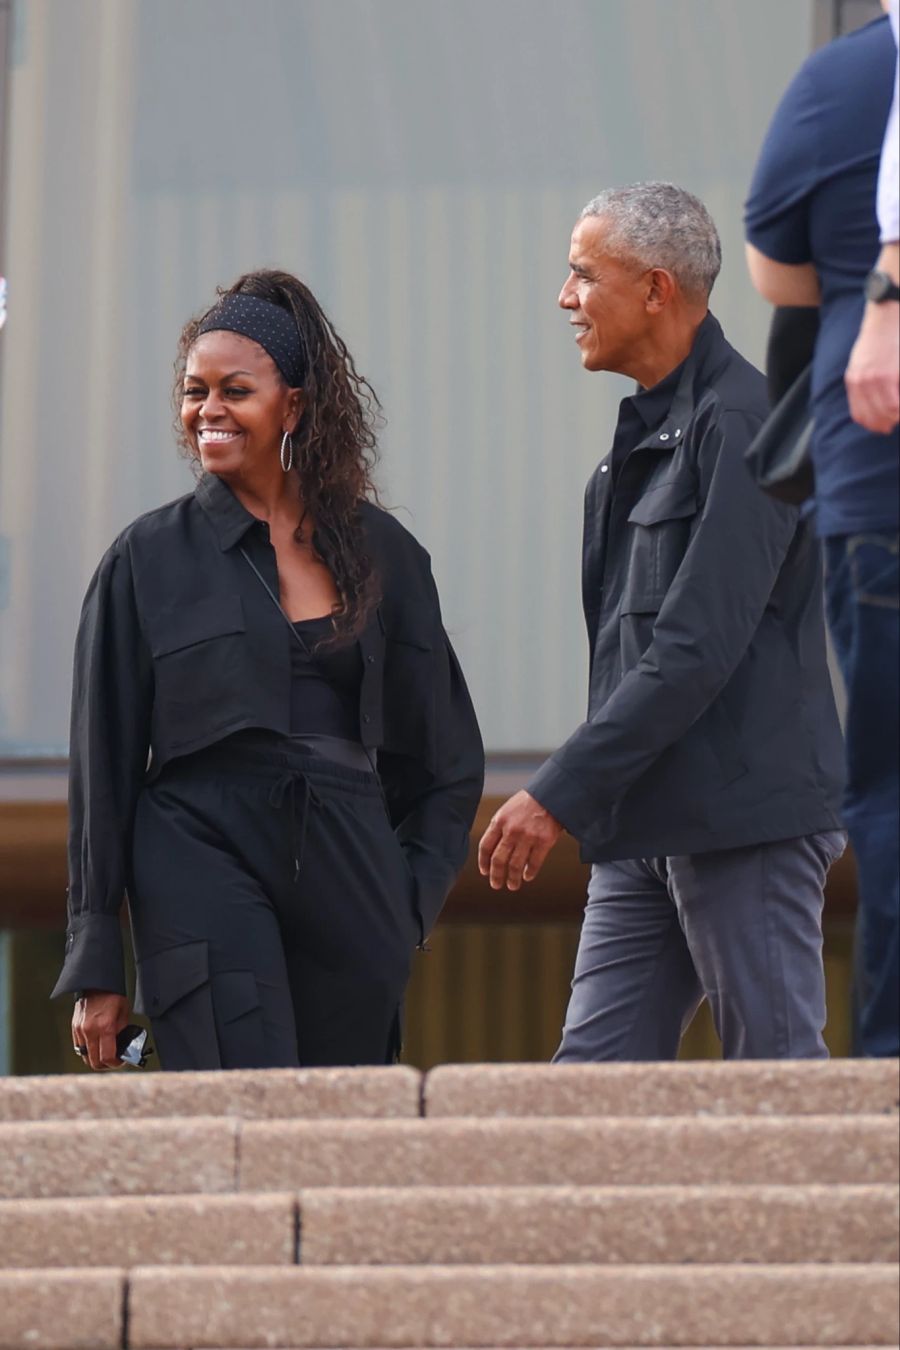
668 407
228 517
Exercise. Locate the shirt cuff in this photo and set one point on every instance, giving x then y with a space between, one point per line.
95 957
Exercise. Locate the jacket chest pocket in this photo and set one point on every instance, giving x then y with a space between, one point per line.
409 691
661 524
199 664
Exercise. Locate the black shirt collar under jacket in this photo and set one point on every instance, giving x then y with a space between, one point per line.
658 417
228 517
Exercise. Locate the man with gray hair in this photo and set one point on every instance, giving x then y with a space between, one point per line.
704 786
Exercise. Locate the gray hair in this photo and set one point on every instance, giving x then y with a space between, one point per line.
661 225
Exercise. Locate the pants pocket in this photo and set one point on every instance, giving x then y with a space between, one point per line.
201 1020
173 990
237 1010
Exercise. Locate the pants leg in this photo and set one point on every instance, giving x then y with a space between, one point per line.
752 919
271 927
863 597
349 930
634 987
211 969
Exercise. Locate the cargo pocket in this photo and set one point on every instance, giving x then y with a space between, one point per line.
173 990
239 1022
663 519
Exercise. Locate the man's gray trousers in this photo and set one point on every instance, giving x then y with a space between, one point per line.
740 927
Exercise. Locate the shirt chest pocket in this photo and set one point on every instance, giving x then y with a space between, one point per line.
199 663
660 530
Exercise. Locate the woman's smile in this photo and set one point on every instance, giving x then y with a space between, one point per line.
214 436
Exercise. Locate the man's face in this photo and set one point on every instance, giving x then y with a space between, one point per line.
606 300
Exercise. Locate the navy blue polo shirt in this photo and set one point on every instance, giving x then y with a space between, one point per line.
812 199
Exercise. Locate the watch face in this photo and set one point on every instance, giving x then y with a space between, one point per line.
879 287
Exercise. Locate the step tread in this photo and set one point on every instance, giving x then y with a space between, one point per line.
756 1087
75 1309
599 1225
140 1230
172 1156
316 1094
515 1305
553 1151
118 1157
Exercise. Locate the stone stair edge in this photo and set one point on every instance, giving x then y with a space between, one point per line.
504 1090
215 1155
209 1293
236 1126
421 1226
365 1092
517 1305
696 1087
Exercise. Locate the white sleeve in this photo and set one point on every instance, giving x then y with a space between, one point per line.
889 172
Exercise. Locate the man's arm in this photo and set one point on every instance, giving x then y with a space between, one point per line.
703 629
794 284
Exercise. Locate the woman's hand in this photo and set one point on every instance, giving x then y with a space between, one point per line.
96 1021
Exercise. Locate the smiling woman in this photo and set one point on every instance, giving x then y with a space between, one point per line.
273 749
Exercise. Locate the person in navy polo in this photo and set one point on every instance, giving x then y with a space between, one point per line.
813 239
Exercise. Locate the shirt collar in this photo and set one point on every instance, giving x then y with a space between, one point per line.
652 404
228 517
666 408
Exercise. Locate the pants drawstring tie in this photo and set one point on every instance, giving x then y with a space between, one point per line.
287 785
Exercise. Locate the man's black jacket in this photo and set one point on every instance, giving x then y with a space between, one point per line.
711 721
179 646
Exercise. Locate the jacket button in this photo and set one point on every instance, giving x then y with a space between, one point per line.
663 435
371 660
366 718
604 468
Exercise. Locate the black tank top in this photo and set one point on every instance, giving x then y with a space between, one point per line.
325 683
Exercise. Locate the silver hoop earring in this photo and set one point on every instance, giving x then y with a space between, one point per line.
289 463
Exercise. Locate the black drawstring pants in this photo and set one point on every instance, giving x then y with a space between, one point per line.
272 910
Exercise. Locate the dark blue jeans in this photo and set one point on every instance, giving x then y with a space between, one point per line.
863 598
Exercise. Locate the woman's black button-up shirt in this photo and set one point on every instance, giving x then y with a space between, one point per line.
179 646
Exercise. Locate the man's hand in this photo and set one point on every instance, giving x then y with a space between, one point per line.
97 1020
873 372
515 844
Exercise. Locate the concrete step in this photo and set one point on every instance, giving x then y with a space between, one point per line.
118 1157
210 1156
62 1309
866 1087
220 1230
651 1151
450 1226
751 1087
598 1225
291 1094
497 1306
513 1306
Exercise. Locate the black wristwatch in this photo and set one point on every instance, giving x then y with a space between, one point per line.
880 287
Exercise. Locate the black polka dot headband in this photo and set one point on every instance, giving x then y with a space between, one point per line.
269 325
